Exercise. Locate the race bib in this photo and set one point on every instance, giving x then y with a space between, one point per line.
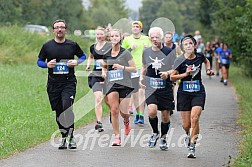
157 83
98 65
61 68
135 74
115 75
191 86
208 55
224 61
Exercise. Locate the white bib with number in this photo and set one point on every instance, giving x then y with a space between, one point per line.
61 68
115 75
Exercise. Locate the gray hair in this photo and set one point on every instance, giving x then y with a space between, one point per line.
161 33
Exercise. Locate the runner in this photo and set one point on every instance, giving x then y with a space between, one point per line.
95 81
191 92
197 35
158 92
61 86
168 37
224 56
136 43
200 45
116 69
209 53
218 49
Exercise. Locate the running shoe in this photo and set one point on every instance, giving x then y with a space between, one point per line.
141 120
153 140
99 126
136 119
72 143
63 144
117 142
127 127
221 80
191 153
187 141
225 82
163 144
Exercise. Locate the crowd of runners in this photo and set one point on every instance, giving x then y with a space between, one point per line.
133 71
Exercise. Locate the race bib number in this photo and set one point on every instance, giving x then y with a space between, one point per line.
224 61
115 75
208 55
157 83
191 86
135 74
61 68
98 65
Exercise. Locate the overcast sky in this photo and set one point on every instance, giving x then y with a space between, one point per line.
132 4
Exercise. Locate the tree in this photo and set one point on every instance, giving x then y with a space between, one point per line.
189 10
169 9
232 26
244 37
104 12
10 11
42 12
205 12
148 12
183 13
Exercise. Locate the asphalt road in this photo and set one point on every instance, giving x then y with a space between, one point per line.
217 147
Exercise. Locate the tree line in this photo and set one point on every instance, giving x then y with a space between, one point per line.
230 20
78 16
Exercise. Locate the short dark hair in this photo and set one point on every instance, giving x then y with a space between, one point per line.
59 20
189 37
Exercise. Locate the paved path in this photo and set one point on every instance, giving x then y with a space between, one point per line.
217 147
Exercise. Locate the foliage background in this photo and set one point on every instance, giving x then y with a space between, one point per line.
229 20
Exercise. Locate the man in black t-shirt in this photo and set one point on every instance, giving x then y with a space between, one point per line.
61 86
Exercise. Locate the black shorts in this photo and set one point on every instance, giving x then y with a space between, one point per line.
224 65
135 84
61 92
124 91
185 101
96 83
164 101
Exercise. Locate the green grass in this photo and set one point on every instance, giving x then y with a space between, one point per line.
21 47
26 117
26 45
244 90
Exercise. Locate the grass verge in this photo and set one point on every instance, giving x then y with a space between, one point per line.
244 90
26 116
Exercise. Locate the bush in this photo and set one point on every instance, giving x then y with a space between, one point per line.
21 47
